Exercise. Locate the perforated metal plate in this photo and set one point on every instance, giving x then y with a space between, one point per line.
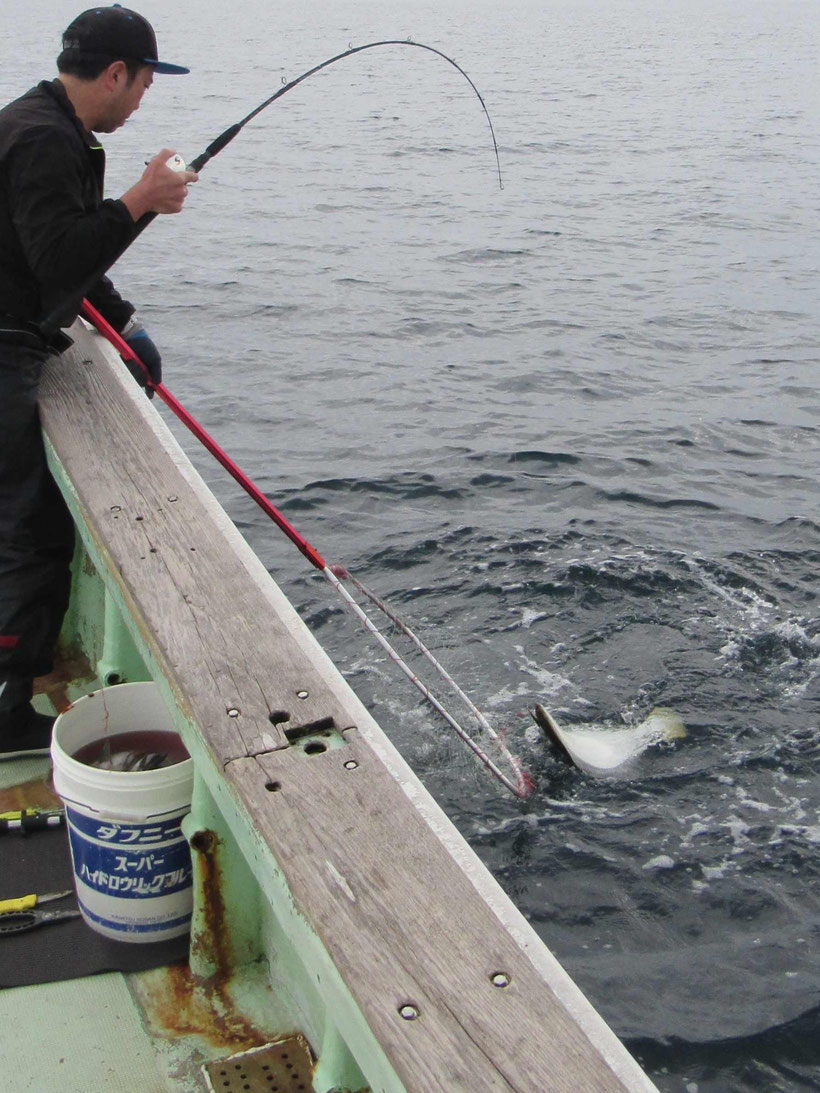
283 1067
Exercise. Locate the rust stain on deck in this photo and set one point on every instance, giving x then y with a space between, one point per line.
71 666
178 1004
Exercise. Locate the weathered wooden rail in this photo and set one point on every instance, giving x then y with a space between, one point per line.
399 957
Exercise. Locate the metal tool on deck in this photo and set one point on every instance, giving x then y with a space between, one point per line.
20 922
21 914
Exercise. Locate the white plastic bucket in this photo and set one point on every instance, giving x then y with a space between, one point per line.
132 864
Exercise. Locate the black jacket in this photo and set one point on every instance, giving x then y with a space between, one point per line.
55 227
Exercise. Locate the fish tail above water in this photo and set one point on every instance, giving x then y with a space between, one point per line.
668 723
601 750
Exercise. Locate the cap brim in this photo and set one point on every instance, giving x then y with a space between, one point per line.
169 70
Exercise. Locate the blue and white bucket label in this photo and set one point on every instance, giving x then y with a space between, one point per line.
133 878
133 861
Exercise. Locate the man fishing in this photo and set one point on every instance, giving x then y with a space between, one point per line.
56 229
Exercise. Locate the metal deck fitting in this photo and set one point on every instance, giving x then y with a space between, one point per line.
283 1067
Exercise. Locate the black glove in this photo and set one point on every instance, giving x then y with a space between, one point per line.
138 340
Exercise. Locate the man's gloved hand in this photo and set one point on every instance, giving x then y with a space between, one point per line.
136 338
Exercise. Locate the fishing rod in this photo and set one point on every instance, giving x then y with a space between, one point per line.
522 784
225 138
64 312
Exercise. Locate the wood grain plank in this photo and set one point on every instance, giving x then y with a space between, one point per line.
403 924
202 616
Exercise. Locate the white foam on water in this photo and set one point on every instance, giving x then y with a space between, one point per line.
529 616
662 861
547 683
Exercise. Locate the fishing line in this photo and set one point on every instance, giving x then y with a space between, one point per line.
521 784
63 313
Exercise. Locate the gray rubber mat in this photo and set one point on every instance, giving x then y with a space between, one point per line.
41 863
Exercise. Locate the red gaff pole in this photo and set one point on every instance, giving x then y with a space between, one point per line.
190 422
523 784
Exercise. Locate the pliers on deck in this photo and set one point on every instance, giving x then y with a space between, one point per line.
20 915
19 922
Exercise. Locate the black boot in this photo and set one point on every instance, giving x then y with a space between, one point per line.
23 731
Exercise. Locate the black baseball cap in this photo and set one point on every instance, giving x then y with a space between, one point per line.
119 33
